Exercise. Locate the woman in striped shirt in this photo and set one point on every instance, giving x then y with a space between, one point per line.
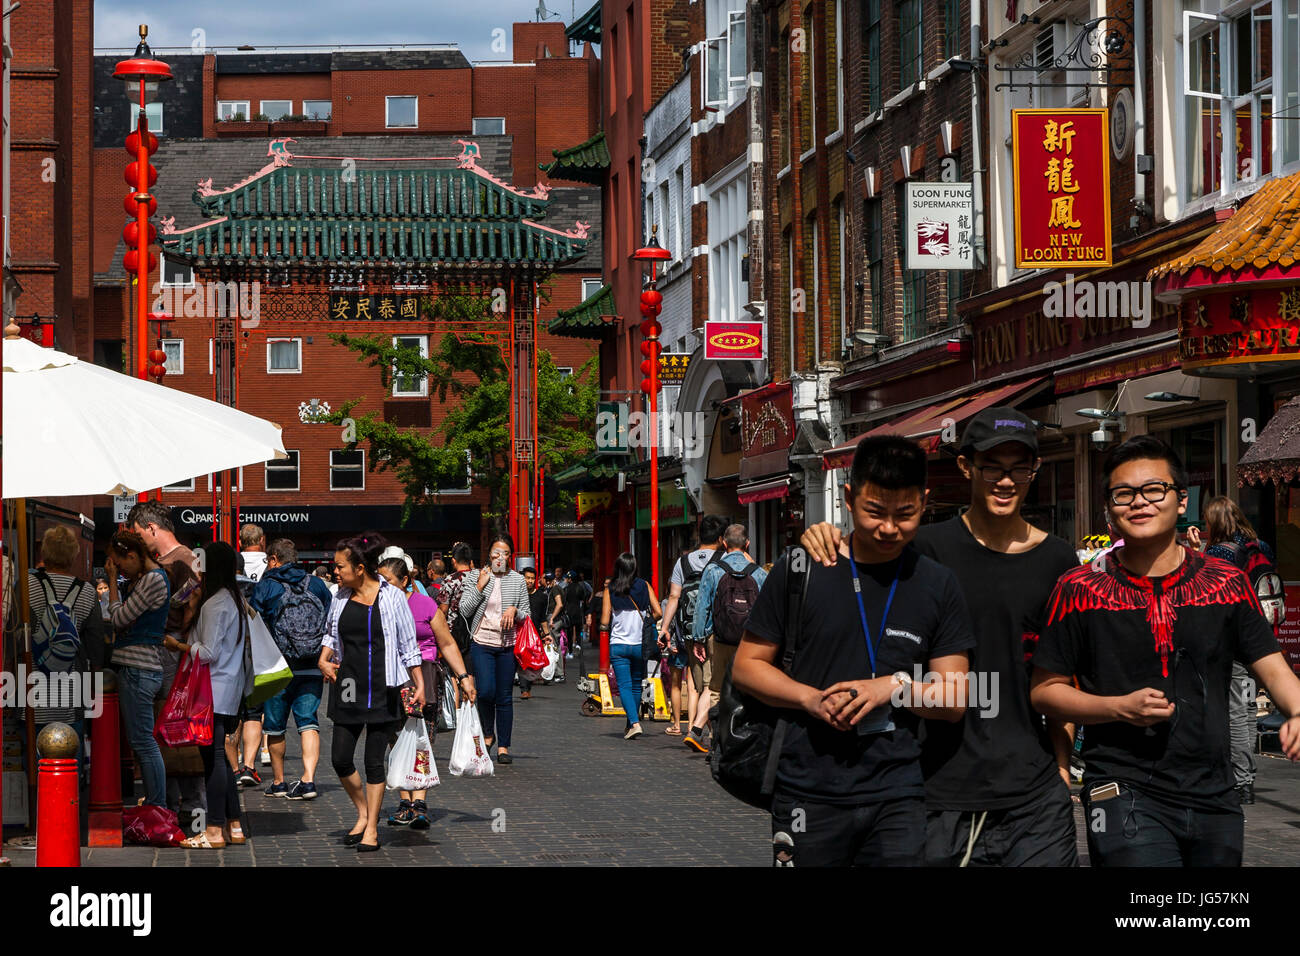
139 622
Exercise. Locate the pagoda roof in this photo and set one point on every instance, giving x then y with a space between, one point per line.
587 27
584 163
589 319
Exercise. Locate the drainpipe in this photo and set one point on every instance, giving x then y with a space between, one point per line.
976 155
1139 106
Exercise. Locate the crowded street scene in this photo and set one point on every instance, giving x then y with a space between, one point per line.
735 433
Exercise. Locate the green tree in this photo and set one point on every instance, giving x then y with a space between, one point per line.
468 374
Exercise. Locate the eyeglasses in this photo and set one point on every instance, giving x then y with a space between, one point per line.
1153 492
1021 474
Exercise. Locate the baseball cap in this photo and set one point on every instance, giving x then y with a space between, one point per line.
393 551
997 426
549 575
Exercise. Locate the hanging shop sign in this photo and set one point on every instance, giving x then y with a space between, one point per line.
672 368
1259 325
939 219
730 341
766 430
590 502
1061 186
611 428
674 506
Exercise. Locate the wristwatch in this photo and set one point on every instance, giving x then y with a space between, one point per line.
461 677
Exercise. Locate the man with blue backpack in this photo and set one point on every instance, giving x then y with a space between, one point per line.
294 605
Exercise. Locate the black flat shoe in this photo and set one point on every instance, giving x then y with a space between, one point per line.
368 847
352 839
505 758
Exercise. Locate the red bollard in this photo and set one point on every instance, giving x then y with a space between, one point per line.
58 810
105 770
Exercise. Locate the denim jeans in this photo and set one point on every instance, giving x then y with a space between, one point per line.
629 671
494 677
1242 725
136 691
1140 829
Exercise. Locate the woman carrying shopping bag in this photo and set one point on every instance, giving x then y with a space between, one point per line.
217 639
369 651
433 635
138 622
627 600
494 603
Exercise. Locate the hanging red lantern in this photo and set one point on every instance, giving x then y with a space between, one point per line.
132 174
158 371
132 207
131 233
157 356
647 367
131 261
133 143
652 297
651 329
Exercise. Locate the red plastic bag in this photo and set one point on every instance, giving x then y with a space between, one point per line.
528 647
151 826
186 718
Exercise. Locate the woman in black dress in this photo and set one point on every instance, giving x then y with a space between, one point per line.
369 653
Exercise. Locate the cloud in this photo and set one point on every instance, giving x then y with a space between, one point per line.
329 22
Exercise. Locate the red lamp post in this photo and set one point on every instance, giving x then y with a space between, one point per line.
142 74
651 302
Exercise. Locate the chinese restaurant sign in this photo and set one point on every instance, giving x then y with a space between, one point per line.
1061 187
766 430
383 307
672 368
1259 325
734 340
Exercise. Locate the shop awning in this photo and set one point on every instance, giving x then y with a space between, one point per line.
768 490
927 423
1275 455
1259 243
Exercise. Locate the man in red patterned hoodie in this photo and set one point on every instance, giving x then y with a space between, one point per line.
1150 631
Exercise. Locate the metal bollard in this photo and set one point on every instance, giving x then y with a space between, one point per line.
105 771
58 811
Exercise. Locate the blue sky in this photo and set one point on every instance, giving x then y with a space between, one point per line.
470 25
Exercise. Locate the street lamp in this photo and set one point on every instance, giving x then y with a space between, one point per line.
651 302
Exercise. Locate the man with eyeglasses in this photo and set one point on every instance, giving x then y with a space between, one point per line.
996 781
1149 632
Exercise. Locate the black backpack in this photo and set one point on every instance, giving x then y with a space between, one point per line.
684 619
299 623
737 592
748 735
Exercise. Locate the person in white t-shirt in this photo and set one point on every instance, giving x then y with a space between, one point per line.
687 571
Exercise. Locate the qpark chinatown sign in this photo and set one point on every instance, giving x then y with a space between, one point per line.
1259 325
732 341
1061 168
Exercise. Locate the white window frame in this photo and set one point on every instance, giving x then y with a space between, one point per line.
423 391
388 102
212 480
212 356
154 111
179 486
565 371
333 467
179 367
283 371
162 272
728 217
844 285
244 108
261 108
596 284
329 114
469 479
295 456
735 26
496 119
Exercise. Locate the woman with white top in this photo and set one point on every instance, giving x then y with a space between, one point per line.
627 600
217 639
493 605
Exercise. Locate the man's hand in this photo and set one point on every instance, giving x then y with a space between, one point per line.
1194 538
817 705
172 644
483 578
851 700
329 670
1144 707
1289 737
822 542
700 652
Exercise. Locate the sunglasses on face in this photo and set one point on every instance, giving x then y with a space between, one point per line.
1021 474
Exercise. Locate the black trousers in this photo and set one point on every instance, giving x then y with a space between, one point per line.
223 792
379 737
889 833
1039 832
1140 829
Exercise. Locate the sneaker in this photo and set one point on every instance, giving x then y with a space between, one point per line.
403 816
695 740
277 790
1246 793
248 777
302 790
266 757
420 814
632 733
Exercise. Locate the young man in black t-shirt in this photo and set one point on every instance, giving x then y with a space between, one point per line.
848 782
1150 631
996 781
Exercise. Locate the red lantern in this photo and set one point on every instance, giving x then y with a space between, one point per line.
132 207
133 143
651 329
158 371
132 174
157 356
652 297
647 386
647 367
131 261
131 233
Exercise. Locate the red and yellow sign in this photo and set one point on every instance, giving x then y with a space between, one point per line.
1231 328
734 340
1061 187
592 501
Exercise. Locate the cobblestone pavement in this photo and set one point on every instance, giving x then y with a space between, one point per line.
578 794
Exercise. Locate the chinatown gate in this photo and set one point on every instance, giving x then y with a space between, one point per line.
357 245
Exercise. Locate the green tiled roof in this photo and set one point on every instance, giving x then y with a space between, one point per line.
588 319
594 468
584 163
586 27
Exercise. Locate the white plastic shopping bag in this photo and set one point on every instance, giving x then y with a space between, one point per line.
552 655
468 755
410 762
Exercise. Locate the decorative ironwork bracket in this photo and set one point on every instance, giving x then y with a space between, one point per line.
1100 47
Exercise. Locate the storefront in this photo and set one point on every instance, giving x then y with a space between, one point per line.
772 496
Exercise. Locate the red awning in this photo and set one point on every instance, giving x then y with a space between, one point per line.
929 422
763 490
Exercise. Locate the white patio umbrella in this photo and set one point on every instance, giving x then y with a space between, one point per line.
73 428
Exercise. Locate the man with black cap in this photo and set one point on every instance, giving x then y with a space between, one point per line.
997 789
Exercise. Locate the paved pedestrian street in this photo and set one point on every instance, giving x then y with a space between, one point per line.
577 794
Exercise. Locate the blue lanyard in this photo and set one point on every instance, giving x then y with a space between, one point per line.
862 611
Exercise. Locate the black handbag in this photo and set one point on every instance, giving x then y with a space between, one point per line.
649 634
748 734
